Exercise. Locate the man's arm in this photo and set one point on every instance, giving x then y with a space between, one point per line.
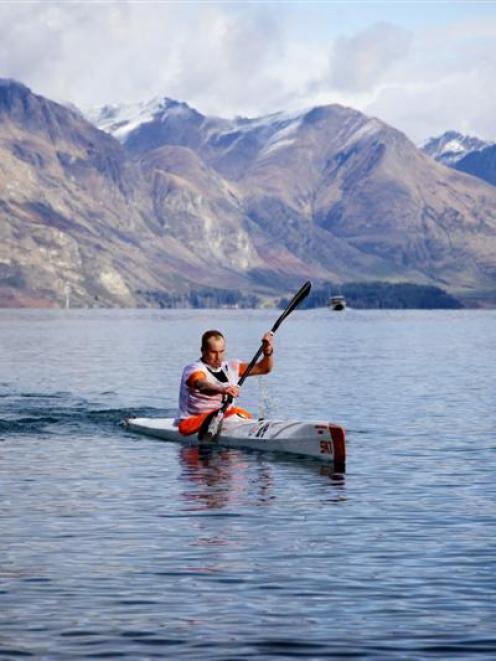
265 365
199 382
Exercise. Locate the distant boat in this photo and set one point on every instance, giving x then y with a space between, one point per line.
337 303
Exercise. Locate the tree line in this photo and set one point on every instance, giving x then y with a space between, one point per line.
382 295
359 295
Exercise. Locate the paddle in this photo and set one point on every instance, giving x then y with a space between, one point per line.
212 426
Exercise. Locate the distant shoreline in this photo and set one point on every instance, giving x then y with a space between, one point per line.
358 296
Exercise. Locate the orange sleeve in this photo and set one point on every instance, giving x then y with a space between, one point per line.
242 368
195 377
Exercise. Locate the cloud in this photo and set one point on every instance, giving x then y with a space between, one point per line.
95 53
447 82
26 48
88 52
255 58
359 63
465 103
229 67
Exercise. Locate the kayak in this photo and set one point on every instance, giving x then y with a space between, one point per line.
321 440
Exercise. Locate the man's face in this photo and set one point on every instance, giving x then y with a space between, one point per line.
213 355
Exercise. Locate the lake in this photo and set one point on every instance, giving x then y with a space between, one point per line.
115 545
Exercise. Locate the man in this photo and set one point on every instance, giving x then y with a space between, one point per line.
206 382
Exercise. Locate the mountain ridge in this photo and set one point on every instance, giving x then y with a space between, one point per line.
248 204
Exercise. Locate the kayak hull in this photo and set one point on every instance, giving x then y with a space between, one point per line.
321 440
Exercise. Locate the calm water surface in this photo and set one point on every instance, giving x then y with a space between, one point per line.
116 545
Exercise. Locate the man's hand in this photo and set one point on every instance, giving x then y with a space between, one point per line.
268 343
232 390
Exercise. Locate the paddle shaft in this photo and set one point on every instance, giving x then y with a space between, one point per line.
295 301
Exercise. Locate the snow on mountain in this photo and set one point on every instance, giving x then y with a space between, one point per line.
283 138
450 147
274 131
121 119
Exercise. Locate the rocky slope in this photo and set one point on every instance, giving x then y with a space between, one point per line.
79 217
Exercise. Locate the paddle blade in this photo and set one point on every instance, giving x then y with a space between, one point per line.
293 303
211 427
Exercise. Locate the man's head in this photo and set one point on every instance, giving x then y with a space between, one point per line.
212 348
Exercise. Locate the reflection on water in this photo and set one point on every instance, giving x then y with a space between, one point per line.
222 477
212 476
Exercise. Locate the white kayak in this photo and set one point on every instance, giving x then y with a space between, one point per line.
322 440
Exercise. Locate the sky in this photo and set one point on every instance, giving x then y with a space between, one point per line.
423 67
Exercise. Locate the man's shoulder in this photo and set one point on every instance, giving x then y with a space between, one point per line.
194 367
236 366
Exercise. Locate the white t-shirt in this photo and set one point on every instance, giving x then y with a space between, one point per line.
194 402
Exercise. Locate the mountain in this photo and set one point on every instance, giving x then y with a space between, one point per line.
480 163
340 191
464 153
451 147
80 218
183 205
